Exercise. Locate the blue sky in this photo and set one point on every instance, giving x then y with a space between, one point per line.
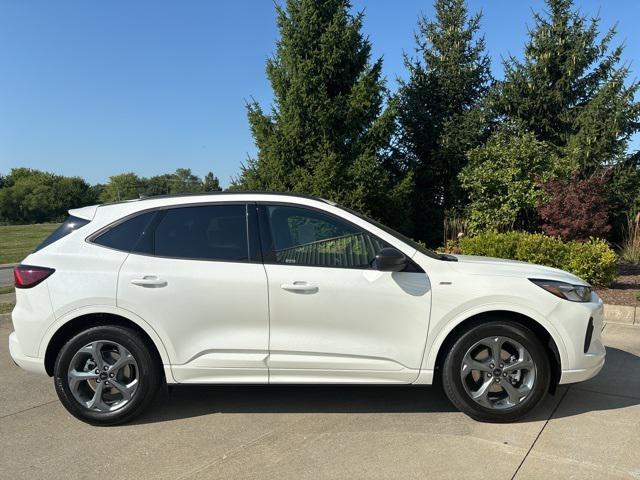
96 88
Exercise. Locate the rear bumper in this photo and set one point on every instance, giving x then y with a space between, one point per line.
31 364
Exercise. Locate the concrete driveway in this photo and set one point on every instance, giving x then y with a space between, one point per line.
585 431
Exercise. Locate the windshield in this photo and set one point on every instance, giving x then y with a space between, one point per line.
412 243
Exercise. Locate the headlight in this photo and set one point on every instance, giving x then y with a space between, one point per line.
566 291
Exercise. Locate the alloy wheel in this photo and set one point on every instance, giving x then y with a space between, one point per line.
498 372
103 376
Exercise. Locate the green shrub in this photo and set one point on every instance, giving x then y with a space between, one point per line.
594 261
542 249
490 244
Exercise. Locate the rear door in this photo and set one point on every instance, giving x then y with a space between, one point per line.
197 278
334 317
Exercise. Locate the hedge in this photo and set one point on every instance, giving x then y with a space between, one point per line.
593 261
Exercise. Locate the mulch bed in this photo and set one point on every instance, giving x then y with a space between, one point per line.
625 288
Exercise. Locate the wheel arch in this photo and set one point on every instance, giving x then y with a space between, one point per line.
542 333
75 324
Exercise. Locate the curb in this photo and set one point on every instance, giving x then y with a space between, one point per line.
623 314
7 265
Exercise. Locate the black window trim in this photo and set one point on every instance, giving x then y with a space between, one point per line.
160 210
266 242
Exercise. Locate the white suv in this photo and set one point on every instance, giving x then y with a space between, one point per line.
276 288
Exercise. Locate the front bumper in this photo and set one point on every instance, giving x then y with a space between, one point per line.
574 376
586 357
32 364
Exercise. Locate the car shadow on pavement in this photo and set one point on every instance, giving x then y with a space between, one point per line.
617 386
188 401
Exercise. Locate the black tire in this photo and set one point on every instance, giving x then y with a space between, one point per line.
148 374
452 378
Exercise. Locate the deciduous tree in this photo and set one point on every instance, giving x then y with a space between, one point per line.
504 178
576 209
34 196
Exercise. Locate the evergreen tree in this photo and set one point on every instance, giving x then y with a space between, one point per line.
210 183
438 111
570 90
623 192
327 133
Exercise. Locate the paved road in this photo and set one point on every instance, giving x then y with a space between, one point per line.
587 431
6 276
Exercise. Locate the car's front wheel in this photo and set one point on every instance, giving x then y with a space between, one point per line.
496 372
106 375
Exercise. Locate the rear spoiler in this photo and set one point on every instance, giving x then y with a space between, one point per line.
86 213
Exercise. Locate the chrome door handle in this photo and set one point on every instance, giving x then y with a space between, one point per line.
149 281
300 287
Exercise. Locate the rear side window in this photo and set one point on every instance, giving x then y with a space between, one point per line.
71 224
208 232
132 235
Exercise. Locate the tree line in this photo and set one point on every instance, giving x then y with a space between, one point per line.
545 148
34 196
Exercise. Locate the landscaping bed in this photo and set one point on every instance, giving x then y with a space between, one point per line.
625 289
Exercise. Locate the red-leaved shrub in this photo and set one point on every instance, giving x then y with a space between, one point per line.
576 209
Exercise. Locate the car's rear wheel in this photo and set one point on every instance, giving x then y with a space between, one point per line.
106 375
497 372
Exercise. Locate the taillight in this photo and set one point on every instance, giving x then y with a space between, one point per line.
27 276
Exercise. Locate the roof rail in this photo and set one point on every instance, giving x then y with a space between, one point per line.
143 197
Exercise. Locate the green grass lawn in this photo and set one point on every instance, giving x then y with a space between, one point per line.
6 307
4 290
18 241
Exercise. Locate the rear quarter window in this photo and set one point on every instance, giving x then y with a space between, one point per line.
131 235
71 224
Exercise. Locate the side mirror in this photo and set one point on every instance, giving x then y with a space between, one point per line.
390 260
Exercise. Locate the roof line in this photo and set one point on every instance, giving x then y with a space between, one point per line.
195 194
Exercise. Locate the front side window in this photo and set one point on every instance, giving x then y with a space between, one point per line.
208 232
302 236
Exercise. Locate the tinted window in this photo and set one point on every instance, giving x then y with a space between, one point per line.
69 225
211 232
398 235
302 236
131 235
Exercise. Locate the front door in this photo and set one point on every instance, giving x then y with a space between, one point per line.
202 286
334 317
